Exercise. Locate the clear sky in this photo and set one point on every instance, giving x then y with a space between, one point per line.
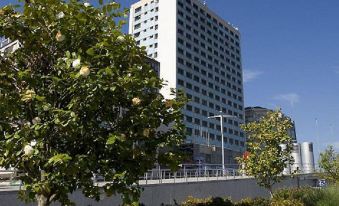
290 53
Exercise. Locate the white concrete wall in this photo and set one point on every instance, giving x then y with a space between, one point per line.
168 44
155 195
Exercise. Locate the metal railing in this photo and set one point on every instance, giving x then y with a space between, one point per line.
158 175
190 173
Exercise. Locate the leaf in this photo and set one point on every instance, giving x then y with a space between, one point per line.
59 159
90 52
111 139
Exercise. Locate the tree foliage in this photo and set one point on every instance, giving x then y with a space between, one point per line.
77 99
329 162
266 159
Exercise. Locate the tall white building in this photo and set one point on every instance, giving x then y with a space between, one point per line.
200 53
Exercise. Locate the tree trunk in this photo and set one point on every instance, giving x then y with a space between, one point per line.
42 200
271 192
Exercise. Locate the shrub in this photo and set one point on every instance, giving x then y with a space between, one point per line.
330 197
253 202
286 202
217 201
191 201
307 195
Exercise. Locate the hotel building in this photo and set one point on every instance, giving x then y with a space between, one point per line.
200 53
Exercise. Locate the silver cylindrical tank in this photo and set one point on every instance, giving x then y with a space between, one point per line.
287 169
307 157
297 165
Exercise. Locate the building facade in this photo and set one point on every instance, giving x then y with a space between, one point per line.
253 114
199 53
8 46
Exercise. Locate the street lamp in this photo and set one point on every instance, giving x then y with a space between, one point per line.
222 116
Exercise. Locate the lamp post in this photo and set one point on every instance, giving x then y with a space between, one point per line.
222 116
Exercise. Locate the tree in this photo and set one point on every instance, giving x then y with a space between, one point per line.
329 162
77 100
266 159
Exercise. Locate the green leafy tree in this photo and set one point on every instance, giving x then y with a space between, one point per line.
77 100
265 159
329 163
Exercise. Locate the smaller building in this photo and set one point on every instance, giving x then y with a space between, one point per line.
302 153
253 114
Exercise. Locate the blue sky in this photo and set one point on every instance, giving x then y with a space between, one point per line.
290 53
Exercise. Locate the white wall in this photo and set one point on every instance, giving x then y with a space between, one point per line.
167 44
155 195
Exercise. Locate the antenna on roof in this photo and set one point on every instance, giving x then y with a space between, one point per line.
203 2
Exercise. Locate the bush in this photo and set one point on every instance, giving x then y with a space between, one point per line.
306 195
287 202
253 202
330 197
217 201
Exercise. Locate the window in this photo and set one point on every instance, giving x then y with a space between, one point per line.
189 131
137 26
189 107
197 99
196 110
180 71
188 85
189 119
137 9
137 18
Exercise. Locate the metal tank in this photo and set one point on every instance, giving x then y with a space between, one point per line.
297 165
307 157
287 169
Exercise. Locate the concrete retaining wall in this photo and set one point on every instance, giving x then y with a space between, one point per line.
168 194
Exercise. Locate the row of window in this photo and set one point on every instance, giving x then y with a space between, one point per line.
214 49
217 36
229 74
138 9
152 36
215 106
218 86
211 136
203 81
153 55
211 105
212 126
152 19
211 95
206 114
205 64
199 12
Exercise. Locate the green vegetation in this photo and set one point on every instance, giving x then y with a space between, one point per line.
77 100
207 202
307 195
329 163
286 197
266 159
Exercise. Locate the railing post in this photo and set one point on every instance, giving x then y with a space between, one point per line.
159 174
175 176
146 177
